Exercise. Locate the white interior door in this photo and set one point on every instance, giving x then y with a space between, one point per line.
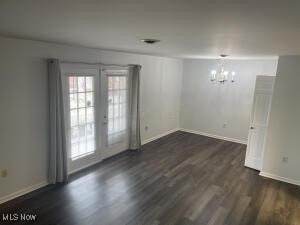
259 121
116 97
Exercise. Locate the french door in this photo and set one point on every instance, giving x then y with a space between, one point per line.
96 113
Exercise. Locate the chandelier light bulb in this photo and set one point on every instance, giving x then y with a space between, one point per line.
232 76
213 75
225 77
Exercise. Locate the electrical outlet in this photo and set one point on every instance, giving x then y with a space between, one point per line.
4 173
285 159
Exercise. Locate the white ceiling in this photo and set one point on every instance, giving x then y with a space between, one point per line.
187 28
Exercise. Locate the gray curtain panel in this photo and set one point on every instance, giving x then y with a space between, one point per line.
58 170
134 108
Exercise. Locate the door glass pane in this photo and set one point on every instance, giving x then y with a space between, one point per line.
110 84
74 134
81 116
73 84
81 100
73 101
117 108
90 130
82 122
89 115
116 96
123 83
74 118
89 83
81 84
116 111
123 96
89 99
81 132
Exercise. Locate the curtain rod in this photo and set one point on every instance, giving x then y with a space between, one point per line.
102 64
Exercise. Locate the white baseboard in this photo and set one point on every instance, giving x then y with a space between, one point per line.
276 177
159 136
23 192
214 136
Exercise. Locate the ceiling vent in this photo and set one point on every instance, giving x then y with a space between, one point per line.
150 41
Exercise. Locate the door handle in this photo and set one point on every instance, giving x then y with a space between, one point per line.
251 128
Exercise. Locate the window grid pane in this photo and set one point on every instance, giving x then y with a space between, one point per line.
82 123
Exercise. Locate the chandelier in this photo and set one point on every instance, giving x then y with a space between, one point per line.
220 74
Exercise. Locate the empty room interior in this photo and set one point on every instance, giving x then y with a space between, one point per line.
134 112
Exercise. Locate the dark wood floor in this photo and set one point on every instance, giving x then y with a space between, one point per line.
181 179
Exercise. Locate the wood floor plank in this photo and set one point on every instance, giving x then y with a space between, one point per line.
219 217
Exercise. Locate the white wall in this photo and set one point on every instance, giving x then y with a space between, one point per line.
206 107
24 102
283 139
